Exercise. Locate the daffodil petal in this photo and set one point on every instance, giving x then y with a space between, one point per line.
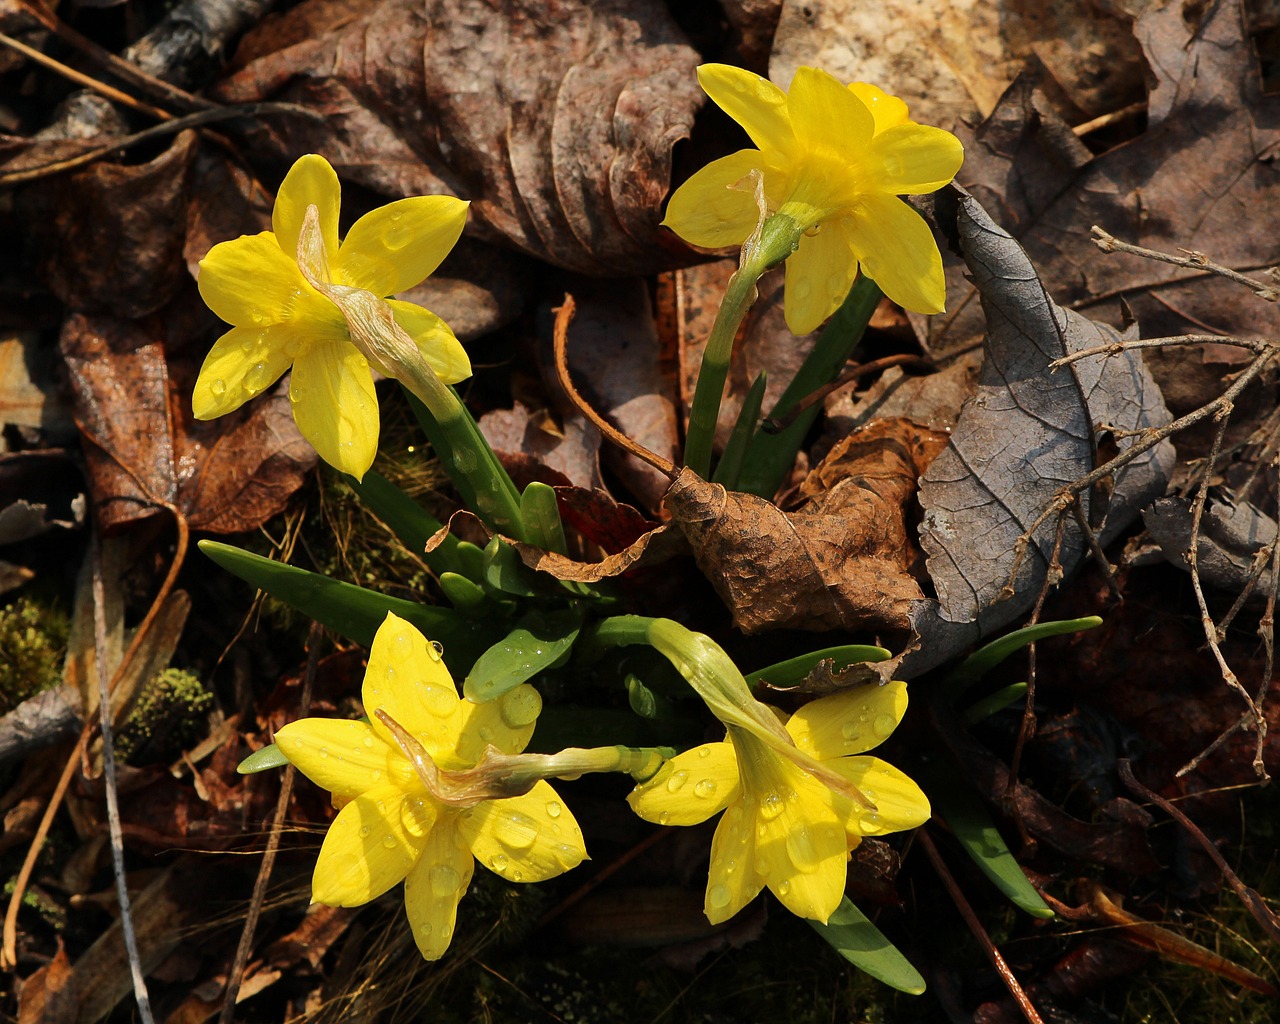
900 803
311 181
819 275
335 405
913 159
407 679
250 281
690 787
849 722
396 246
828 119
371 845
242 363
897 251
887 110
801 849
435 885
754 102
506 723
436 341
342 756
710 209
525 838
732 881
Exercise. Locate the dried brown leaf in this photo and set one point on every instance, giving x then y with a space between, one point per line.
557 122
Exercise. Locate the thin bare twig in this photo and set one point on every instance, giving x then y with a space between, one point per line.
975 926
245 946
167 128
80 78
1114 348
1256 905
140 995
1197 260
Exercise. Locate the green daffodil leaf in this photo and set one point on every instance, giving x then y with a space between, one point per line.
860 942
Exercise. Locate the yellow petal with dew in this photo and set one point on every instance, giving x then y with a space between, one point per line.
371 845
690 787
407 679
754 102
397 246
819 275
335 405
801 850
849 722
311 181
435 339
242 363
434 886
716 207
250 281
506 723
829 121
897 251
886 109
525 838
732 880
345 757
913 159
900 803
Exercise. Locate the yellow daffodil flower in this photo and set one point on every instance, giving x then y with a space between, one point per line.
783 827
312 303
835 159
428 827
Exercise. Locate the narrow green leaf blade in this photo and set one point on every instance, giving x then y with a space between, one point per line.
262 760
855 938
964 813
730 465
537 644
410 522
983 660
541 517
354 612
794 670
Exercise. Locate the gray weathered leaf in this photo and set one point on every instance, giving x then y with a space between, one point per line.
1232 532
1026 433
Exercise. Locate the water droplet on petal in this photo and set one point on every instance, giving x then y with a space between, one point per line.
801 850
770 806
870 824
368 741
515 830
718 896
784 887
438 700
498 862
389 842
218 387
704 788
704 751
520 707
402 645
850 732
677 780
553 809
416 815
324 752
517 875
664 817
883 725
444 880
435 650
365 830
258 377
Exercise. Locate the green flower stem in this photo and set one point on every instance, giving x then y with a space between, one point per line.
778 238
769 457
473 467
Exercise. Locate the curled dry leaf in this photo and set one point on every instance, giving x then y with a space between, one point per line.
841 561
1024 437
1232 535
557 121
109 238
143 449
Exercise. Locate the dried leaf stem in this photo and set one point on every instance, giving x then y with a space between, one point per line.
564 317
975 926
140 995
